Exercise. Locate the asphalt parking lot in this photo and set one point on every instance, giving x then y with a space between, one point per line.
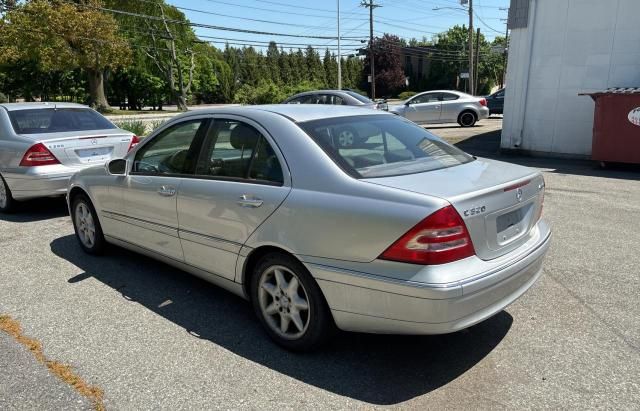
152 337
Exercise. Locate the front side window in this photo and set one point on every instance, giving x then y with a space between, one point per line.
382 146
236 150
57 120
426 98
174 151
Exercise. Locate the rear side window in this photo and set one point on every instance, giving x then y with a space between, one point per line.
382 146
236 150
359 97
57 120
449 96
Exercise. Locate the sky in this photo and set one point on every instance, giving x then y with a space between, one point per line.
405 18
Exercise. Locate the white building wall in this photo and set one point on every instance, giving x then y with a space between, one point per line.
569 47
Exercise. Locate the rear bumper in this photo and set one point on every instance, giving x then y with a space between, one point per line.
483 113
34 182
366 303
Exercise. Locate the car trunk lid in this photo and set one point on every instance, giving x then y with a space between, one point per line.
499 202
85 148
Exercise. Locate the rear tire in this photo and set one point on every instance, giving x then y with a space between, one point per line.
7 203
289 303
467 119
87 226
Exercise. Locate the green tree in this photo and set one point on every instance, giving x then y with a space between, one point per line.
315 72
57 35
330 66
272 63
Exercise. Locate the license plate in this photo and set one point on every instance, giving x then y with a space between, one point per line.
504 222
94 152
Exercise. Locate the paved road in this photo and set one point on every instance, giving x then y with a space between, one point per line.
153 337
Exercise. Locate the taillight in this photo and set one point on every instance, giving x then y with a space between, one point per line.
440 238
539 214
38 155
483 102
134 142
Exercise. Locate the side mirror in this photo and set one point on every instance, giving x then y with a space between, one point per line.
408 103
117 167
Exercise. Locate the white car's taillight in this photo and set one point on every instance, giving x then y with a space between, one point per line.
440 238
134 142
38 155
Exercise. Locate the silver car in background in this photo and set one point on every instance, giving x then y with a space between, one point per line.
393 231
43 144
443 106
336 98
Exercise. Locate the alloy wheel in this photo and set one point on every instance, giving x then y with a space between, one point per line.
284 302
3 195
85 225
346 138
467 119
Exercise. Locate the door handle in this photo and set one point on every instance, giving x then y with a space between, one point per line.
167 191
248 201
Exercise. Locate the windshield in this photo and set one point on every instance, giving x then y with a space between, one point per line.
382 146
52 120
359 97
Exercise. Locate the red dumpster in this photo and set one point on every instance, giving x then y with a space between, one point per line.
616 125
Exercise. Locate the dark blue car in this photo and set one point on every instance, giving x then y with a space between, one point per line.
495 102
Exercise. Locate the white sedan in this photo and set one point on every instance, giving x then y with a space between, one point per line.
443 106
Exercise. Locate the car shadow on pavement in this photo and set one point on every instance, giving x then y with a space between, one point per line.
377 369
488 145
38 209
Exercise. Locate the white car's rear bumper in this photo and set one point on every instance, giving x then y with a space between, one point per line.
43 181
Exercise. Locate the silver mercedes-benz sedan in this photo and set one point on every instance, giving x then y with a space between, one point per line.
43 144
392 231
443 106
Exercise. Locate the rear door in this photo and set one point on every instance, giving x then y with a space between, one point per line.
240 180
425 108
149 192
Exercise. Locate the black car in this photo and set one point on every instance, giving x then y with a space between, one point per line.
495 102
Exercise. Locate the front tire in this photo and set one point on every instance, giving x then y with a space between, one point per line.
7 203
467 119
290 304
87 226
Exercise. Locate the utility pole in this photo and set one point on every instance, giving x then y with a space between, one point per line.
371 6
504 64
339 53
471 71
476 64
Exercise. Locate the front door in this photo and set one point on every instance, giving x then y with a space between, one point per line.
150 190
240 181
424 108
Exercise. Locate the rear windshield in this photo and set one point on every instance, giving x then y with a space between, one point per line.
359 97
382 146
57 120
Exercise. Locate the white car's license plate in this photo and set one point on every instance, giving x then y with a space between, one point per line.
97 153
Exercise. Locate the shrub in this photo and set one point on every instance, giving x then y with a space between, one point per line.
266 92
406 94
137 127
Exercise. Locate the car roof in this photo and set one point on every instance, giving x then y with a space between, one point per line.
295 112
38 105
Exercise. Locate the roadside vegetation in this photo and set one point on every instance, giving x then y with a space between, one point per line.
134 54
